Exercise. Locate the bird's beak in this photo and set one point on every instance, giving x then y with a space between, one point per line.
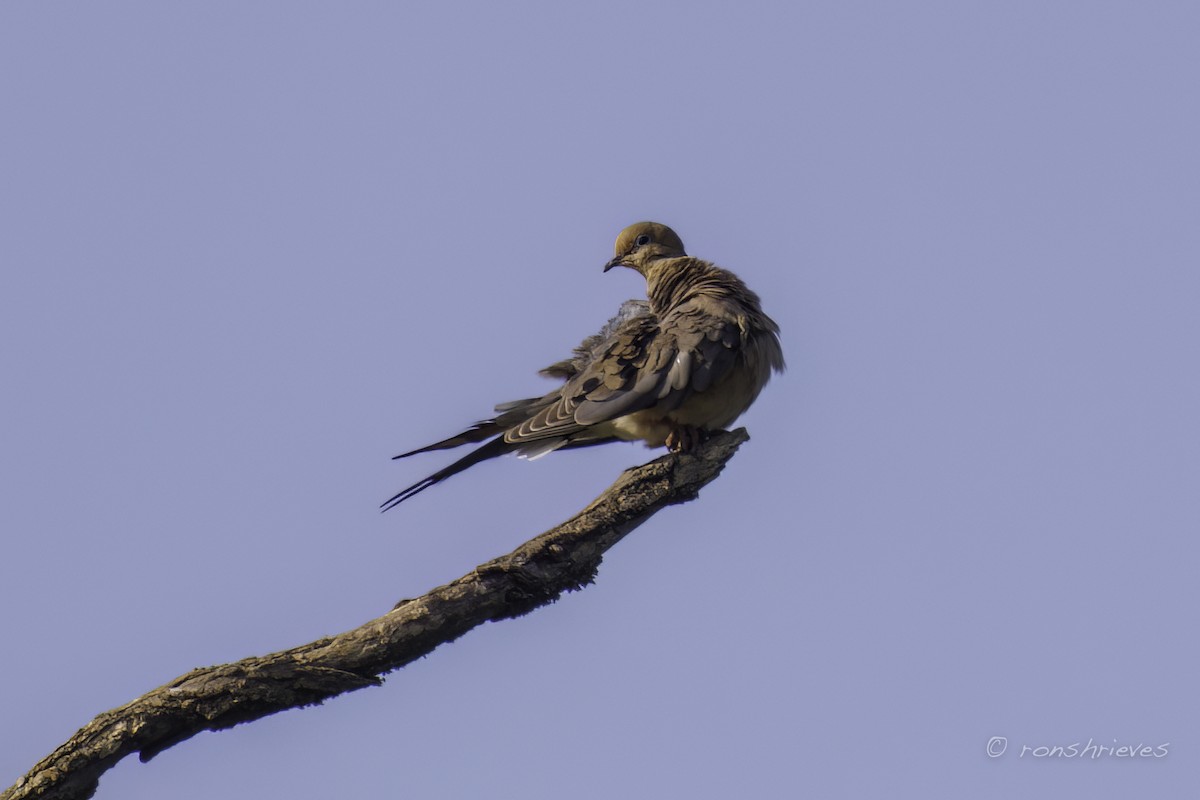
619 261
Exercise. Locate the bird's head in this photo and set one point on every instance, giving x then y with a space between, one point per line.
642 244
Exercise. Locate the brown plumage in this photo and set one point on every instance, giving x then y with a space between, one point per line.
667 371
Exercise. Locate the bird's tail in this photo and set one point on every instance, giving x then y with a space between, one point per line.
476 433
496 447
508 414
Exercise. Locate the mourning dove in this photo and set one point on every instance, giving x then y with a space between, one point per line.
666 371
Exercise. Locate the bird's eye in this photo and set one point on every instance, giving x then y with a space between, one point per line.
642 240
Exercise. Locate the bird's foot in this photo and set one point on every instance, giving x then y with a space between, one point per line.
685 438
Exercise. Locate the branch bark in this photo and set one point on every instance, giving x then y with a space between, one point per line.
565 558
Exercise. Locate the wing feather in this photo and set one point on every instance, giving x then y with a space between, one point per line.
643 363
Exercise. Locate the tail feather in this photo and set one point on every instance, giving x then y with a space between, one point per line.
496 447
508 414
476 433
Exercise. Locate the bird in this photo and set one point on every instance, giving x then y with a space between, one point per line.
668 370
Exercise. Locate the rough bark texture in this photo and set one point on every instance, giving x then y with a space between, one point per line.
564 558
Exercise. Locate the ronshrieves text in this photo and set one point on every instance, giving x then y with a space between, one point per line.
1091 750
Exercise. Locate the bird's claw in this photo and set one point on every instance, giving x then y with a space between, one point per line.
685 439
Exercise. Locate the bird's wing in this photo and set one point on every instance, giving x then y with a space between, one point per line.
515 412
593 346
632 313
645 362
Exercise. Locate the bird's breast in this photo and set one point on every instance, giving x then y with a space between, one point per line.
718 406
713 409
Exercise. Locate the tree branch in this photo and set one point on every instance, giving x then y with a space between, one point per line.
564 558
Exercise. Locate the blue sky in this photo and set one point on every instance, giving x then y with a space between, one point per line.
250 251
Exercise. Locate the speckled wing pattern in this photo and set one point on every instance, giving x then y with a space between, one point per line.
645 363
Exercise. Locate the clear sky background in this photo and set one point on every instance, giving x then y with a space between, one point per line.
252 250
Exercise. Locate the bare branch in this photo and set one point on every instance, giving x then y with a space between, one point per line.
564 558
